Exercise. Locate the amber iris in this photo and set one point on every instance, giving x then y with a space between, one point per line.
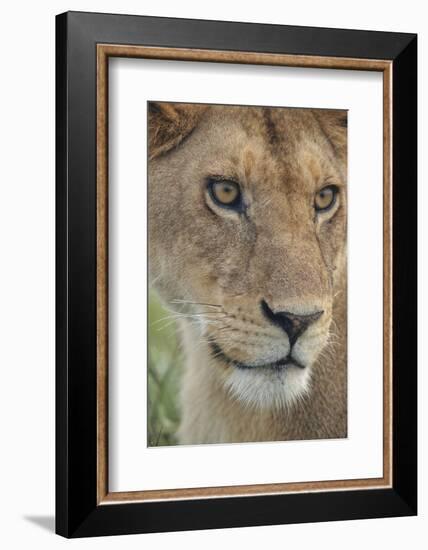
225 193
326 198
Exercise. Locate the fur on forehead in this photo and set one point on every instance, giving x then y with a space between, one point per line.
170 123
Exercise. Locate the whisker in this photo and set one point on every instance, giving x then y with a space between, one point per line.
195 303
154 280
187 316
195 322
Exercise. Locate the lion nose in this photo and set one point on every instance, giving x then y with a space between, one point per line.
293 324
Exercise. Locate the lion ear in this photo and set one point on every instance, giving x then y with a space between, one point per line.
335 125
169 124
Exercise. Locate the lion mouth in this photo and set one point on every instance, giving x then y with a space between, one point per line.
280 364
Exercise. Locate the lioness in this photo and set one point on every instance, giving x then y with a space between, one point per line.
247 244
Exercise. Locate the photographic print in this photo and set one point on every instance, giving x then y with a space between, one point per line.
247 314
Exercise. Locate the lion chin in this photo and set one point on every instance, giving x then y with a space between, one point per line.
269 388
272 383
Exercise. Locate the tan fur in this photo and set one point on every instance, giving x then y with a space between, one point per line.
213 267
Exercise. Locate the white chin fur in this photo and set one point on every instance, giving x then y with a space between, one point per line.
264 388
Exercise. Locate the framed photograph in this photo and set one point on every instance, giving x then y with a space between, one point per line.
236 274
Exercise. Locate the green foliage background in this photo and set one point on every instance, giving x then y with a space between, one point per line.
164 369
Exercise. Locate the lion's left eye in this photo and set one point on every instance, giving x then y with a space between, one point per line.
326 198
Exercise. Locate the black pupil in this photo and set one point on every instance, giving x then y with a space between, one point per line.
225 193
326 197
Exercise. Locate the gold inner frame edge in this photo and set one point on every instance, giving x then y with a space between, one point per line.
104 51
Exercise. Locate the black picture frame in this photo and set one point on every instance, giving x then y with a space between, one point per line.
77 511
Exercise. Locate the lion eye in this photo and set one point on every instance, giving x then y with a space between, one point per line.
225 193
326 198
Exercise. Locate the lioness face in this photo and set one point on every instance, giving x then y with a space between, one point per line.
247 230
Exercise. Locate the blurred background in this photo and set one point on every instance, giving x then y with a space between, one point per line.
165 362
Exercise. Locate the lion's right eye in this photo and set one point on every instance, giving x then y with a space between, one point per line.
225 193
325 198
